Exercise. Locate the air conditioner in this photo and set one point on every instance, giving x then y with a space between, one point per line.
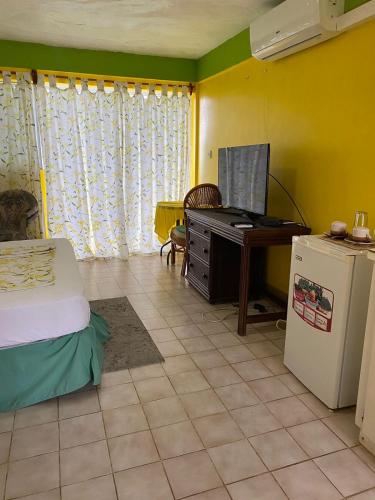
293 26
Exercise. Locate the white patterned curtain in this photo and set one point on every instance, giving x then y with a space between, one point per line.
81 144
156 158
109 157
19 159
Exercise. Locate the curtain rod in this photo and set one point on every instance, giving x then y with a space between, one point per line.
190 86
34 76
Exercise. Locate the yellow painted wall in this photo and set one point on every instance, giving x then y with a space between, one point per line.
317 109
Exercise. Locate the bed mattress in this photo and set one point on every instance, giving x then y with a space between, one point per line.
45 312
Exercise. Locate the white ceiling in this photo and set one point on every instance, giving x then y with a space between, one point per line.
176 28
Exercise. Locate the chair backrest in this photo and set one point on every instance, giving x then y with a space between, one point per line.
17 207
16 204
203 196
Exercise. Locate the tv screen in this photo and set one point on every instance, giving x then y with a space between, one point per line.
243 177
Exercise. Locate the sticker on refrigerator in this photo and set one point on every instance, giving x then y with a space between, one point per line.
313 303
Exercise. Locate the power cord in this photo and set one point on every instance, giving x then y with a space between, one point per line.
290 197
280 323
230 313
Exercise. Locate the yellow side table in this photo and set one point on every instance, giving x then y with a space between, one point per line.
166 215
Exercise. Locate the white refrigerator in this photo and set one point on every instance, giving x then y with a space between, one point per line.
327 310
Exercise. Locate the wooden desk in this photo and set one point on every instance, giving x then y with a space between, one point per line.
219 257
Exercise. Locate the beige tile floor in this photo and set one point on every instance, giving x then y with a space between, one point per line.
221 419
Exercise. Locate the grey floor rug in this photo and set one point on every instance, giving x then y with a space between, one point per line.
130 344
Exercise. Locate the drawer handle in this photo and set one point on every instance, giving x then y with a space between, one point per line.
205 231
191 264
204 276
191 223
191 242
205 250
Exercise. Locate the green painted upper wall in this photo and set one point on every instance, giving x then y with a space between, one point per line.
229 53
237 49
352 4
33 55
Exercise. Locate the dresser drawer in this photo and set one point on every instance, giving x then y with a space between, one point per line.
199 270
199 247
198 228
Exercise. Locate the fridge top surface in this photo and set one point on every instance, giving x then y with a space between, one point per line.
329 247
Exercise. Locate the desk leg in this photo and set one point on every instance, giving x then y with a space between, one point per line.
244 290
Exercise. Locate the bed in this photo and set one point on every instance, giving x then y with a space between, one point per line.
45 312
50 343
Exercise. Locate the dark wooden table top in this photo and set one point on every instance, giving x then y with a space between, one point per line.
220 221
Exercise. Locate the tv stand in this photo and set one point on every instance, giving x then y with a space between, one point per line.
219 257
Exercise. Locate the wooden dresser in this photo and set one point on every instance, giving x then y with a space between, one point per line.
199 256
219 256
213 265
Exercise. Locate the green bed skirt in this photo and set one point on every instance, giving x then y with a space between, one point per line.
43 370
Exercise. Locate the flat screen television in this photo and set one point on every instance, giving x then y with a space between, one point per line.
243 177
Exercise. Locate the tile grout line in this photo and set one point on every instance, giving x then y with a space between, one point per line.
8 461
58 429
322 471
107 445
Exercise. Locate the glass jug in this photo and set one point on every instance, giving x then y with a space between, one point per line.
361 219
360 230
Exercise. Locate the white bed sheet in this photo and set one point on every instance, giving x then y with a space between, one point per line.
45 312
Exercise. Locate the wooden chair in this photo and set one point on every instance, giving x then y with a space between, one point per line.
201 196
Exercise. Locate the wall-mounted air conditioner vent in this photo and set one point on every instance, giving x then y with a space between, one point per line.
294 25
